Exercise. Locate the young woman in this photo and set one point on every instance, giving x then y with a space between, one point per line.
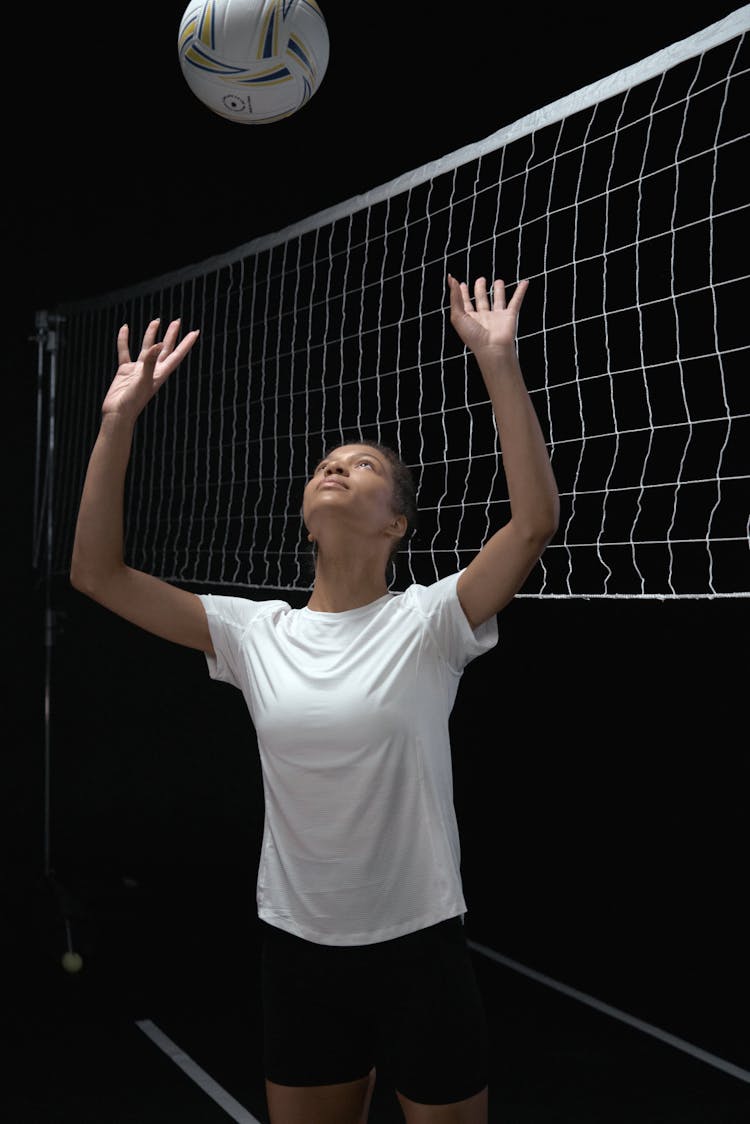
359 889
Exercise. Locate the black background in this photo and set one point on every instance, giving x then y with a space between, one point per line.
600 751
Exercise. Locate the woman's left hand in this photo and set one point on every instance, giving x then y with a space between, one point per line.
485 326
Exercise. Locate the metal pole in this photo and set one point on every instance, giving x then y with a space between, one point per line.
47 343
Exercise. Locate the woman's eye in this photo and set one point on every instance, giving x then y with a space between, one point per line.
367 464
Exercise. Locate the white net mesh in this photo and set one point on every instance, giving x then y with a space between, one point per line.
625 205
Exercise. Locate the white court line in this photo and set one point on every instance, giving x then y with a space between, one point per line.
639 1024
232 1107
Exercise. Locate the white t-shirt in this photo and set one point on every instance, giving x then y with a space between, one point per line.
360 840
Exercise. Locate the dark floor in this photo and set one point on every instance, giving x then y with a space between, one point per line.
76 1053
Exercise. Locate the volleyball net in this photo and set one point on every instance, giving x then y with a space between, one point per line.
626 206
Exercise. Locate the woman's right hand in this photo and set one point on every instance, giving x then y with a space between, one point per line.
136 382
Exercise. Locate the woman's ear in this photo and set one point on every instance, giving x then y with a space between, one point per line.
398 526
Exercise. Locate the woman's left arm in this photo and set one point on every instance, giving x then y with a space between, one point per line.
501 567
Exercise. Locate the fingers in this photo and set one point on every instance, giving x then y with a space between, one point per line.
152 350
167 356
519 293
481 296
149 356
149 336
183 347
498 294
455 292
461 297
170 336
123 351
460 288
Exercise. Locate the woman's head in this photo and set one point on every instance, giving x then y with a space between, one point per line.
373 472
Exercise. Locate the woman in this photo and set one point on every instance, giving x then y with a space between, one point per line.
359 889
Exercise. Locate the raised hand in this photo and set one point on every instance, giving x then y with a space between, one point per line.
485 325
137 381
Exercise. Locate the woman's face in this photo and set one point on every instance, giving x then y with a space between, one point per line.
352 486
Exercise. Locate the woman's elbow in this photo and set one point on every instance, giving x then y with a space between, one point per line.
552 525
87 580
549 518
543 528
81 581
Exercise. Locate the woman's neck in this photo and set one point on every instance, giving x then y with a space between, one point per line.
346 583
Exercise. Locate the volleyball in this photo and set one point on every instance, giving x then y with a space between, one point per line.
253 61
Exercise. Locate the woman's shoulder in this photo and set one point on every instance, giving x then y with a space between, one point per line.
428 593
241 609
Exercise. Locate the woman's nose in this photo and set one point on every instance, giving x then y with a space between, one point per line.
339 468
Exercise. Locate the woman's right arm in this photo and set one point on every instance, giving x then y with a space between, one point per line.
97 567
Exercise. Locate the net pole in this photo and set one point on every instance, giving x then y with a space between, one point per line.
47 346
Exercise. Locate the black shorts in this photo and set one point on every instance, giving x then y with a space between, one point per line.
409 1005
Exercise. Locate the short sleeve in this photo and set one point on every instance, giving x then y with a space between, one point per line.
458 642
229 618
